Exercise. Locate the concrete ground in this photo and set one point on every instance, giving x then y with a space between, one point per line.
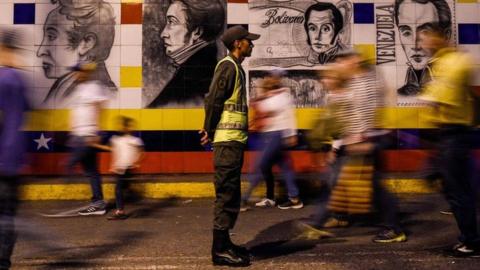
176 234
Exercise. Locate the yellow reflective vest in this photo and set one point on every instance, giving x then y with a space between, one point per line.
233 124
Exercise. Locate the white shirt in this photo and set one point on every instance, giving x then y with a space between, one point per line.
86 103
126 151
281 114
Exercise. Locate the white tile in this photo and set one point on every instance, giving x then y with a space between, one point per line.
113 59
388 75
114 73
114 101
237 13
467 13
42 11
130 98
37 95
39 79
116 40
27 56
117 11
473 50
131 34
131 56
26 32
6 13
364 34
38 34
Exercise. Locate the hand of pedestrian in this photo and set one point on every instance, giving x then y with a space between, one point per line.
204 139
330 157
291 141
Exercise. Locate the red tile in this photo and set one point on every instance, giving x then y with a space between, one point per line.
131 13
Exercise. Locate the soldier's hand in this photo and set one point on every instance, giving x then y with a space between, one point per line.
204 139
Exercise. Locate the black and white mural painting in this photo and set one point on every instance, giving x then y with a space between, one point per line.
299 33
75 31
180 50
305 87
412 17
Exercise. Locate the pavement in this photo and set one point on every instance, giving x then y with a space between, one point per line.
175 233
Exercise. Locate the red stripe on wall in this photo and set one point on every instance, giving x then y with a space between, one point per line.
201 162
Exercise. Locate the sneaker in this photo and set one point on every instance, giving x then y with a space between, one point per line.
446 212
118 215
244 206
335 223
309 232
93 210
265 203
291 204
462 250
390 236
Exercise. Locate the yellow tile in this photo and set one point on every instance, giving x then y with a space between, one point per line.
367 51
467 1
130 76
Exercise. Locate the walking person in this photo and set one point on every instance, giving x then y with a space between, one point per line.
278 133
451 110
89 98
359 154
226 125
13 104
127 153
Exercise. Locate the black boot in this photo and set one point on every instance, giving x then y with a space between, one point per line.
223 253
242 251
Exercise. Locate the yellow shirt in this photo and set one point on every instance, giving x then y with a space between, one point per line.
449 91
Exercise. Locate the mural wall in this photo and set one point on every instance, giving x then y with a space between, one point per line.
157 56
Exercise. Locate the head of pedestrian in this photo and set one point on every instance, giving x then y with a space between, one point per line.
351 62
433 39
9 48
84 70
331 78
238 41
273 80
126 124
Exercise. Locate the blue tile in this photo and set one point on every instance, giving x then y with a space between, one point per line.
24 13
363 13
468 33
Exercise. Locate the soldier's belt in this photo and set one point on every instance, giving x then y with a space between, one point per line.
239 126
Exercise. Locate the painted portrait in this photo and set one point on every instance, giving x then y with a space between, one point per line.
411 18
75 31
299 33
180 50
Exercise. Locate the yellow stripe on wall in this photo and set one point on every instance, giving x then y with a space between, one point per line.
192 119
467 1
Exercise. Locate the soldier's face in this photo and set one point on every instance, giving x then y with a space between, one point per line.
321 30
176 35
413 18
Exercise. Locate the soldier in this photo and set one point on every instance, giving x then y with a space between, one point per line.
226 124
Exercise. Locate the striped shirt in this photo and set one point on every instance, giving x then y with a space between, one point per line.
363 96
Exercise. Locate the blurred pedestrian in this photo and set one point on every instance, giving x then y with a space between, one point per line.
451 110
226 124
278 133
13 104
359 155
127 153
90 96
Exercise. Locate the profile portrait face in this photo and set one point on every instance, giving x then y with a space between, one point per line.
414 17
176 34
54 51
321 30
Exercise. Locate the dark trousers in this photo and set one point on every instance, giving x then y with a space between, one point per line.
8 208
456 167
273 153
120 186
87 156
227 161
